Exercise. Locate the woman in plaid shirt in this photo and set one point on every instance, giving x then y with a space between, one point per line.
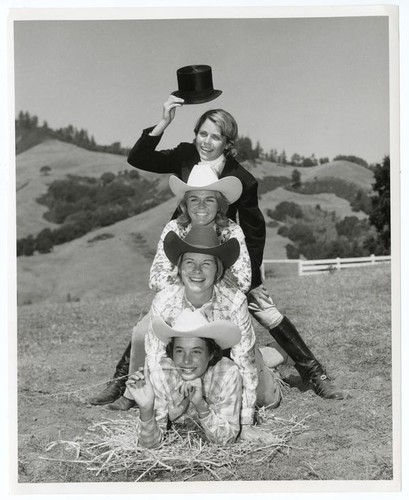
195 382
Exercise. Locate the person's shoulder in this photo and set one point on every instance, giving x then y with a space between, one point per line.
186 147
169 292
233 228
173 225
242 173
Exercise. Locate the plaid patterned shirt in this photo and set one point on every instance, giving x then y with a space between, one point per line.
163 273
227 304
222 386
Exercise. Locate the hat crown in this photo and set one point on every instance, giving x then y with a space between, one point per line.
195 78
202 176
189 320
195 84
202 237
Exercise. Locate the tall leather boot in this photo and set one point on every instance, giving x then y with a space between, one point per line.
287 336
114 388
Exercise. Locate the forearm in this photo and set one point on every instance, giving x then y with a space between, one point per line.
218 429
243 354
150 434
159 128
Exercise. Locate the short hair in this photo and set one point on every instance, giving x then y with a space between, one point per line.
212 346
219 265
221 220
227 125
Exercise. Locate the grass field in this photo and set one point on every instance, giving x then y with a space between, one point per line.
345 318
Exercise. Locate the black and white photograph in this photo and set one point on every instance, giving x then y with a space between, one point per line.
206 250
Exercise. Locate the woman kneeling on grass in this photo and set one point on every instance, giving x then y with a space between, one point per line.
195 380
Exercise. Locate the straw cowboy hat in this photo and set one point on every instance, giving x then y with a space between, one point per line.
196 84
193 324
201 239
203 177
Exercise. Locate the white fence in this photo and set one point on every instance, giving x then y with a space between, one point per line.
308 267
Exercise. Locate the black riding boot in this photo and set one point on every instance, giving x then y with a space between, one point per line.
287 337
115 388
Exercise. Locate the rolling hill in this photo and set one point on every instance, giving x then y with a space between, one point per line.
63 159
115 260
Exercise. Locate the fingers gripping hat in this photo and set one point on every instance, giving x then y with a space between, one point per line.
201 239
196 84
194 324
203 177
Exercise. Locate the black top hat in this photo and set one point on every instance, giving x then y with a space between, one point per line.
195 84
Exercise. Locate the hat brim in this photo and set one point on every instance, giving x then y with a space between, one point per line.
228 252
197 99
225 333
231 187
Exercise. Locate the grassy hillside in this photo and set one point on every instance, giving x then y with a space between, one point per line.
345 170
120 263
105 263
63 159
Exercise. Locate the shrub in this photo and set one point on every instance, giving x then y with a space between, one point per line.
301 233
292 251
283 231
286 209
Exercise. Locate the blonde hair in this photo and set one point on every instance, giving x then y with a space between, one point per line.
221 220
227 125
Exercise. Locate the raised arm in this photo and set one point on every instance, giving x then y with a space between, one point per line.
143 154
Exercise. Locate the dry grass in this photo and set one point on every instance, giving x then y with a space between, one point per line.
345 319
112 447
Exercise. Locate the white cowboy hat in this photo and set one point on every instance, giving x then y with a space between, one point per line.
193 324
203 177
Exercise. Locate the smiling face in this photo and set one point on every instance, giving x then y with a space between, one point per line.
198 273
202 207
192 356
209 141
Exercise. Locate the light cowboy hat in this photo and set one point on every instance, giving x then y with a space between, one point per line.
203 177
196 84
201 239
193 324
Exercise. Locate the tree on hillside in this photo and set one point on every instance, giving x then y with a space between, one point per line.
380 214
296 179
282 158
296 160
45 170
352 159
244 149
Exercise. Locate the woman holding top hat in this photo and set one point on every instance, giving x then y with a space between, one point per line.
194 381
213 147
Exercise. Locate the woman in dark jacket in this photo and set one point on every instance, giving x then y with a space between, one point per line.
215 134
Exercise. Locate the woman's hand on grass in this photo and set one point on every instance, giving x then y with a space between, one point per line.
251 433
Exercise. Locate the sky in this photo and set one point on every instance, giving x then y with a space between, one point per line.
307 86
